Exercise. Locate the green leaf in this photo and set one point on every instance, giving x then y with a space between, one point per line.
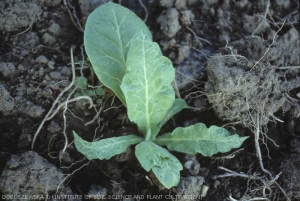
81 81
89 92
106 148
200 139
164 165
148 84
177 106
99 91
77 94
108 32
168 173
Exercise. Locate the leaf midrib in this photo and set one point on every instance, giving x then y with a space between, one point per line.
146 90
190 140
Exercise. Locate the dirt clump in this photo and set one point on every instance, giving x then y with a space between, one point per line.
236 91
189 186
18 14
42 178
255 76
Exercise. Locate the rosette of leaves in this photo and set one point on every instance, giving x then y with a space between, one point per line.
126 60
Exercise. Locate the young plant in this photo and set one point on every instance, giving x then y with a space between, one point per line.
85 89
125 59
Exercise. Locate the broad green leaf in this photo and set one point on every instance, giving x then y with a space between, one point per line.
164 165
147 86
106 148
108 32
200 139
177 106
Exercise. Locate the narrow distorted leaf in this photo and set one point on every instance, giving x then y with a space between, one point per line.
106 148
177 106
164 165
108 32
200 139
147 86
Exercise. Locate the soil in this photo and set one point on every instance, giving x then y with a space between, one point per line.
236 62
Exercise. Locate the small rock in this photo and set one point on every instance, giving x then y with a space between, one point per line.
30 174
6 101
211 2
54 127
56 75
30 91
187 17
41 59
32 110
192 165
192 2
183 53
41 72
251 23
7 68
97 192
21 67
118 189
189 186
242 3
166 3
48 39
52 3
51 65
169 22
180 4
86 7
283 3
66 71
55 29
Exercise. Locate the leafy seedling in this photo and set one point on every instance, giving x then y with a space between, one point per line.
85 89
125 59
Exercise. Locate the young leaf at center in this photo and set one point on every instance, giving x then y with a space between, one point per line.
108 32
177 106
147 86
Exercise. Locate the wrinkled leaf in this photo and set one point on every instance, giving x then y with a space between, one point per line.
200 139
168 173
106 148
147 86
108 32
177 106
164 165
